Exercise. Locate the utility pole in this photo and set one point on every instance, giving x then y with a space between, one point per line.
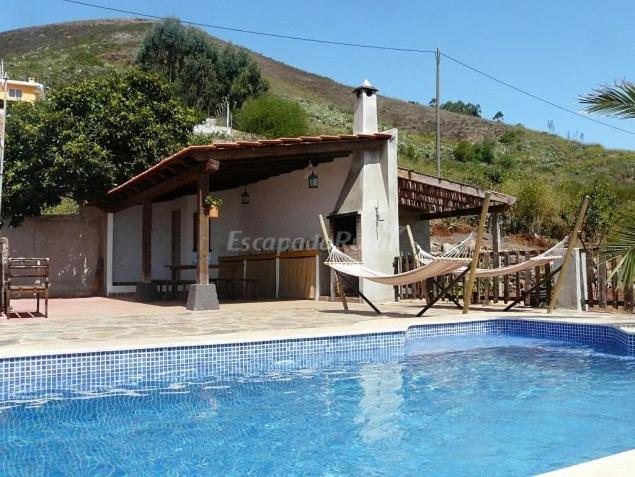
437 55
227 119
5 104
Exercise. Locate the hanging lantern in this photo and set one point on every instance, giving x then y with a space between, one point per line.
244 197
313 180
313 177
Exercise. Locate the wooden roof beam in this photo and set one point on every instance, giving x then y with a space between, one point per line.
180 180
462 212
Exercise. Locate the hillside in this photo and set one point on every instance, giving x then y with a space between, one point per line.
62 53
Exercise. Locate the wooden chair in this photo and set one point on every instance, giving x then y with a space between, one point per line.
27 276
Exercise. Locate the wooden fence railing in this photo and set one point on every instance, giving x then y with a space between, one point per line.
603 288
506 288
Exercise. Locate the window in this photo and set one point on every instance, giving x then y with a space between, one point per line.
15 93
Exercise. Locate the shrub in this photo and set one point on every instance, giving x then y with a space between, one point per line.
495 175
272 116
535 209
479 152
408 151
485 152
509 137
464 152
507 161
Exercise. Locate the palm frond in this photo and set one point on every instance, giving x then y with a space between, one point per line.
621 242
616 100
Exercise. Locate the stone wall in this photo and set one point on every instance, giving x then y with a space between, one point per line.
73 243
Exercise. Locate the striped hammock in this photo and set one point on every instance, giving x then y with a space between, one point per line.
548 256
449 262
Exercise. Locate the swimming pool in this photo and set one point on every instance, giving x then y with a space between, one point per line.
473 404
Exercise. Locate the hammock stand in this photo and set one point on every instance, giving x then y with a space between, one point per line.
339 276
537 286
358 291
421 256
546 257
445 291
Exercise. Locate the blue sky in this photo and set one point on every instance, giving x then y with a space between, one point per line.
557 50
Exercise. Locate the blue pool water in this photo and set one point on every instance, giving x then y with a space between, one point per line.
455 406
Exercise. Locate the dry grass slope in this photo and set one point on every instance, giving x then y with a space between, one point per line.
59 54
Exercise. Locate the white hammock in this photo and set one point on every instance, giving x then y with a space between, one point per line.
555 252
455 258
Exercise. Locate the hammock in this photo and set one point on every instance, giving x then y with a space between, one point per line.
452 260
555 252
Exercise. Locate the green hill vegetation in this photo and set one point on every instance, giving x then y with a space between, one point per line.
550 171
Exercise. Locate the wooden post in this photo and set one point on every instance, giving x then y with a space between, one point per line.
415 255
602 300
467 293
202 241
517 277
496 243
506 279
413 246
573 238
329 244
146 241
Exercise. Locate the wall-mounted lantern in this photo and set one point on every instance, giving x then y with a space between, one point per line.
313 177
244 197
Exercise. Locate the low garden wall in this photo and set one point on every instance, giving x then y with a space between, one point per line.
73 243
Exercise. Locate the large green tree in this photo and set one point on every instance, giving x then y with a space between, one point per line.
205 75
86 138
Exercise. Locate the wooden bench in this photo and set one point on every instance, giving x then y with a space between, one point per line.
27 276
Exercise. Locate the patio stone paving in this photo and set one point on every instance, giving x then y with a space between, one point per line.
89 324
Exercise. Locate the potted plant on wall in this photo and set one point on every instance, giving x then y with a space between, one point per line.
212 205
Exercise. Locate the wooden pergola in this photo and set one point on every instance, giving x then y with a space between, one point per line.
437 198
221 166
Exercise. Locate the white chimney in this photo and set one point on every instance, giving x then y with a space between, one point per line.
365 115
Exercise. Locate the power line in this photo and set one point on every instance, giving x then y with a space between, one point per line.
359 45
531 95
254 32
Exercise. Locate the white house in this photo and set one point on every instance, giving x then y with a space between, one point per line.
268 230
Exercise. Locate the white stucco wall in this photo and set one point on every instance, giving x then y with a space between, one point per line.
126 259
280 207
284 206
380 216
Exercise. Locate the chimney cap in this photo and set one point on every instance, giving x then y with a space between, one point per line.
365 86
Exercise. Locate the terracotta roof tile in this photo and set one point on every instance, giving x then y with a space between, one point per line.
280 142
